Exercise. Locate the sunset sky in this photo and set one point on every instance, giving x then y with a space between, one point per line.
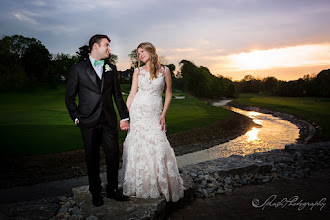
286 39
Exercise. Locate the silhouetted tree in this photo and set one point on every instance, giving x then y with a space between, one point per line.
17 44
82 53
62 64
200 82
36 61
270 85
133 58
322 81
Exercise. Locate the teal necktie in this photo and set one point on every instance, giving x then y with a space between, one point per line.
98 62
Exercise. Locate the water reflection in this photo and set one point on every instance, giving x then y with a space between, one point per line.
252 135
272 133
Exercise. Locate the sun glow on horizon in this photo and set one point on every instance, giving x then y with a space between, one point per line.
301 55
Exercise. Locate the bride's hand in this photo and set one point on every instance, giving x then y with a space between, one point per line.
162 123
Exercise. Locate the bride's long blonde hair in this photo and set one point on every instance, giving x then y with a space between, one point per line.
154 60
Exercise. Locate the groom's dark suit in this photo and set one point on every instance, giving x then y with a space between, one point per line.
97 118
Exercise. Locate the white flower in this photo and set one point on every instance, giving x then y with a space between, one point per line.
107 68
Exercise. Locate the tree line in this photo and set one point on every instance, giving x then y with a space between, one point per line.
309 85
26 62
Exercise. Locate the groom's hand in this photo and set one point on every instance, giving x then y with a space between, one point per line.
124 125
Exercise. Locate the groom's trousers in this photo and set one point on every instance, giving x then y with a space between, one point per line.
106 136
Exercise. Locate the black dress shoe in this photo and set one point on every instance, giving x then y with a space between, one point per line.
117 195
97 200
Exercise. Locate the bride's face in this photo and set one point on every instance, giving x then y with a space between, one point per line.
144 55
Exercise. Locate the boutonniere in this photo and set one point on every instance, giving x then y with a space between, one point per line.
107 68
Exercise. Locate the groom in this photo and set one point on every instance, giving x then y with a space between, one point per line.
95 81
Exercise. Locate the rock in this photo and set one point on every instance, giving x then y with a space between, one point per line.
63 215
203 184
298 155
273 169
274 175
207 177
72 202
221 191
199 195
200 190
212 185
209 190
76 211
307 170
269 159
236 184
213 180
265 180
92 217
63 199
256 176
283 165
228 187
193 175
77 217
243 181
205 194
63 209
229 192
228 180
218 184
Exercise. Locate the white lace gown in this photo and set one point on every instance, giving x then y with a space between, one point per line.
149 163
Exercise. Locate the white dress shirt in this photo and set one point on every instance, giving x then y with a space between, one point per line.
98 68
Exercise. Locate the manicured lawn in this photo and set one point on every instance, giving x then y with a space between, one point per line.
37 122
311 108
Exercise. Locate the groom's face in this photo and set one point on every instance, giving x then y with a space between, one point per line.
104 48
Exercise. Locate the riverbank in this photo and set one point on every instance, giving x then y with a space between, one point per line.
31 170
312 109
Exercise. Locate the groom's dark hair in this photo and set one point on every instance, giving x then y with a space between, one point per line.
97 39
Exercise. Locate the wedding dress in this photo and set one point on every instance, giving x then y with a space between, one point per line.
149 162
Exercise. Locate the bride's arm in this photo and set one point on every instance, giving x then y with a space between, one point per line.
168 98
134 89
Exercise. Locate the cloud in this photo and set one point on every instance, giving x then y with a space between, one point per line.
38 3
211 33
26 16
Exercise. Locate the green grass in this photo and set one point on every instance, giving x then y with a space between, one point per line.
311 108
37 122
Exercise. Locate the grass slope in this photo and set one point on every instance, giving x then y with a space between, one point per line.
37 122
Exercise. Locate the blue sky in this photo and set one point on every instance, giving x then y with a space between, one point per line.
286 39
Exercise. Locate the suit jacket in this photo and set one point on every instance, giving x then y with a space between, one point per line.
93 98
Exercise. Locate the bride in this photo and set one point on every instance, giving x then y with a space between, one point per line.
149 162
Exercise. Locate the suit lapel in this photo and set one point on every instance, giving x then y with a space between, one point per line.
91 73
103 78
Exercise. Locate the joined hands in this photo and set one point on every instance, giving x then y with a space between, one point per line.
124 125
